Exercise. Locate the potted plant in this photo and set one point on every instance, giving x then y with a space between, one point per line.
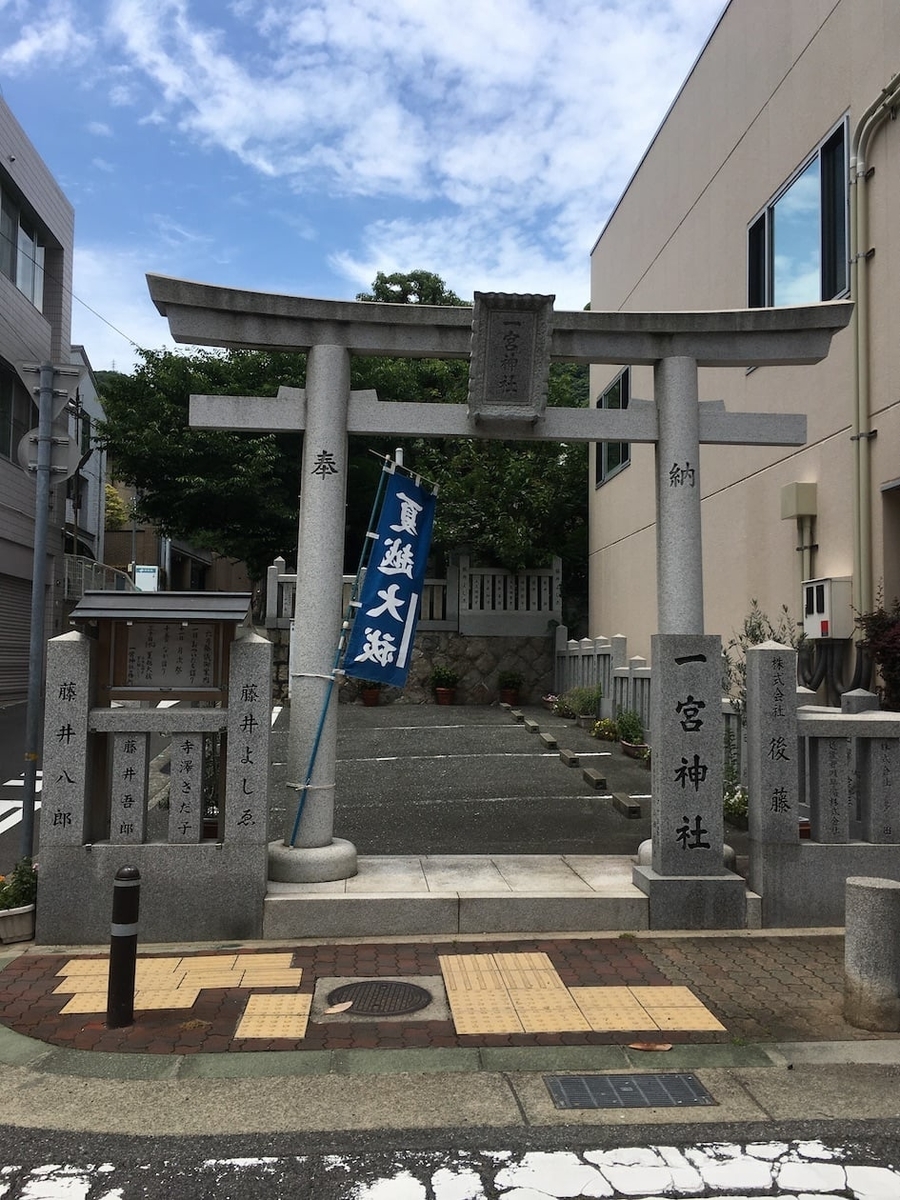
370 691
631 733
581 703
509 683
18 893
606 730
443 684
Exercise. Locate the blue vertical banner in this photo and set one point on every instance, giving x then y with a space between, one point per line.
381 640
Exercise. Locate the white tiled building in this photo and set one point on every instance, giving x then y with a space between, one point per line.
773 180
36 237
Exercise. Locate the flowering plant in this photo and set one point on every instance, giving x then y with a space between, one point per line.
19 887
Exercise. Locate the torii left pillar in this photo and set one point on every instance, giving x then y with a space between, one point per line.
317 856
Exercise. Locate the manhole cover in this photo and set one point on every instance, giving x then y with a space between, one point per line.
627 1091
381 997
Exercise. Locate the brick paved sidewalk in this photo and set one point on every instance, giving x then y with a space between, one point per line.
761 988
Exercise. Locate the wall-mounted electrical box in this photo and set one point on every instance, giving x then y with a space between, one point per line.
827 611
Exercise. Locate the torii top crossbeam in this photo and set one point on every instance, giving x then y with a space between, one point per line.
203 314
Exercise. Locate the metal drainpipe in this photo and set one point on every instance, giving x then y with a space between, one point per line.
874 115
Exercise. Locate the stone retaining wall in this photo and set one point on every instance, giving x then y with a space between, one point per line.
477 661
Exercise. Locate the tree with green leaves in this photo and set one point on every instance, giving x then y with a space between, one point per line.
510 504
232 493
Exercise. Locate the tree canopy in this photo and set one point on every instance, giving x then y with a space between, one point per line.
511 504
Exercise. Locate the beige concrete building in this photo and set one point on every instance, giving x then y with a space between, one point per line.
774 179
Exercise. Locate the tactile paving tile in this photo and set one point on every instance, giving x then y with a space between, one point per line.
471 972
219 961
175 997
84 967
528 972
612 1008
483 1012
266 962
676 1008
86 1002
549 1012
289 977
275 1017
212 979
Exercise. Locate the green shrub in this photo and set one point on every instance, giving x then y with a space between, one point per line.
631 727
580 702
20 886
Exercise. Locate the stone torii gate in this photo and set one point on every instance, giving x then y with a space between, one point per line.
511 341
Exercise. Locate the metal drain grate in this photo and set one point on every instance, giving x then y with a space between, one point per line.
381 997
627 1091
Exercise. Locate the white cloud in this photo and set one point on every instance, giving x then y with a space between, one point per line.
486 140
54 35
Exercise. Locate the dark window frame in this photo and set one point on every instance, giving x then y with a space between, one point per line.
834 274
613 457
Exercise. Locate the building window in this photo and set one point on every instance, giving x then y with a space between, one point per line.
21 251
797 247
612 456
14 413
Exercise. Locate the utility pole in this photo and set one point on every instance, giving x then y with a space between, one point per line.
54 457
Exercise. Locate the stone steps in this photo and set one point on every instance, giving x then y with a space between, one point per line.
450 895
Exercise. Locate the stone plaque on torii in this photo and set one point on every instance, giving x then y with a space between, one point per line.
510 342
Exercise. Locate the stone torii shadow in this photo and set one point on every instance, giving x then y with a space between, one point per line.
510 342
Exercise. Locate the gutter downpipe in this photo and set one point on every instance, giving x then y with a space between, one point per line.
874 115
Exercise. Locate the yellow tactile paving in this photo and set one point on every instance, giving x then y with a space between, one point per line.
290 977
503 993
222 961
549 1012
213 979
478 998
277 961
471 972
528 972
275 1017
484 1012
160 997
610 1008
86 1002
670 997
84 967
676 1008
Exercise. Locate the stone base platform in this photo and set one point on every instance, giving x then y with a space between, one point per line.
449 894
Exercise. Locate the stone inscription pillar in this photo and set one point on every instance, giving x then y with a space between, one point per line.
687 883
318 856
773 774
679 552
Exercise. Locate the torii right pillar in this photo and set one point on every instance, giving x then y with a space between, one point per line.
687 884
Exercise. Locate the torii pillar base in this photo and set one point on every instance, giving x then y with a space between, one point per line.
311 864
693 901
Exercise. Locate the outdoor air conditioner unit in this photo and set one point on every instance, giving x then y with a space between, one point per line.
827 611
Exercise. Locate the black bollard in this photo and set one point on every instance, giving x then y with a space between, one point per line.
123 948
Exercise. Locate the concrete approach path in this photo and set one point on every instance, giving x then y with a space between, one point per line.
472 819
245 1038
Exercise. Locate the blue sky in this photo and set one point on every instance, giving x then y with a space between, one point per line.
303 145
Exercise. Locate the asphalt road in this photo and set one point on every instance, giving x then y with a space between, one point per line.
462 1164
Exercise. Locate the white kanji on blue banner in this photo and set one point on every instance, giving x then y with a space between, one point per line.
381 639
